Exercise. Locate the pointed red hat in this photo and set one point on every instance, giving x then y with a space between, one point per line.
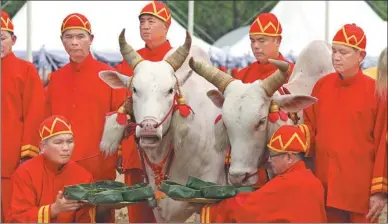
351 35
266 24
76 21
158 9
6 22
289 138
54 125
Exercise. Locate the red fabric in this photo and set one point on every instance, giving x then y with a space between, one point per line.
6 22
266 24
158 9
35 186
257 71
76 21
76 92
351 35
288 138
6 195
54 125
347 129
294 196
130 154
141 212
340 216
22 110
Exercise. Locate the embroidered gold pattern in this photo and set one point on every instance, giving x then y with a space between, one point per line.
285 146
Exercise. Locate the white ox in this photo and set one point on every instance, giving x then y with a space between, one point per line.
245 107
154 86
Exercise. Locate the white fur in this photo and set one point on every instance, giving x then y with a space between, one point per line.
112 135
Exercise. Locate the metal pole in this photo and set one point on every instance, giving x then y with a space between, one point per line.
29 33
190 23
327 20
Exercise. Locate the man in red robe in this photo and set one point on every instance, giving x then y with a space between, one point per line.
265 34
22 110
38 184
347 128
76 92
155 20
293 195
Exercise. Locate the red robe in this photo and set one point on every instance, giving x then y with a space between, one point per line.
35 187
22 110
347 130
131 159
76 92
252 73
294 196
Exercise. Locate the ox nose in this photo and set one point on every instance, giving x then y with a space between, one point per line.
148 126
242 179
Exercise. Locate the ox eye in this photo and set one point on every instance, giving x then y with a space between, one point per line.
262 121
134 90
171 91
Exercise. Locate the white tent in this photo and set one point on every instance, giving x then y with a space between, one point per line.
107 18
304 21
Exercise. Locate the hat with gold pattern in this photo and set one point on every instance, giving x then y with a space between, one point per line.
351 35
76 21
54 125
266 24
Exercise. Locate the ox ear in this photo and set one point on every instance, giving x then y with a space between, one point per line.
217 97
294 103
115 79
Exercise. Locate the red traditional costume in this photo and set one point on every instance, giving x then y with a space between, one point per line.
131 159
347 129
22 109
265 24
37 182
76 92
293 196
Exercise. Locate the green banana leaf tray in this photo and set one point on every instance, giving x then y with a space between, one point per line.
200 191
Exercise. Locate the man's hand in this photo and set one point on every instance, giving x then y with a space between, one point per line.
63 205
119 164
376 205
22 160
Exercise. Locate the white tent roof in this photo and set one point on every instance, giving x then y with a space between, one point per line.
107 18
304 21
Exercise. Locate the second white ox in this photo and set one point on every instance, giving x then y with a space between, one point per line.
245 107
155 86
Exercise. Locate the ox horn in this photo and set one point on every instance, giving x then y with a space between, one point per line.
278 78
177 58
128 53
212 74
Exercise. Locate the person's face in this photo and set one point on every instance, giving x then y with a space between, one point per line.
345 58
77 43
7 41
58 148
280 162
264 47
152 29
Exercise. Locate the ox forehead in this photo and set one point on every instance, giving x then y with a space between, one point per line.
153 76
245 106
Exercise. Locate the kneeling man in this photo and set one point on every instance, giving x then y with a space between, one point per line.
39 183
293 195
